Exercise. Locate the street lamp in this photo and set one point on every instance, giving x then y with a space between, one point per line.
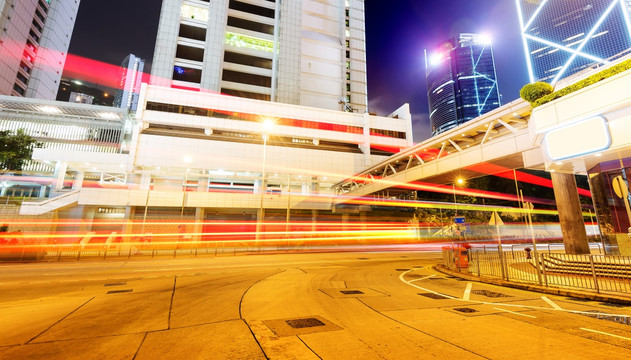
460 182
268 125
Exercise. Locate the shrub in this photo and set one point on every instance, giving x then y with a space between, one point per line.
614 70
533 92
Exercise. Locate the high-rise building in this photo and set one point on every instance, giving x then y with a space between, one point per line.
130 81
309 52
461 81
562 37
34 40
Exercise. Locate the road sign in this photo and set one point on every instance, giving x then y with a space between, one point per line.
459 220
496 219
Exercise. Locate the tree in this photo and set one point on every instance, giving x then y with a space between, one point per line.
16 149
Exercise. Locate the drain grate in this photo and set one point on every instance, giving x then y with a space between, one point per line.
351 292
466 310
402 269
304 323
363 259
488 293
613 305
434 296
624 320
116 284
119 291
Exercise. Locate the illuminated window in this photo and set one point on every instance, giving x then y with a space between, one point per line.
194 12
249 42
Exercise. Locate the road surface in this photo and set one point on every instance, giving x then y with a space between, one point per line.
291 306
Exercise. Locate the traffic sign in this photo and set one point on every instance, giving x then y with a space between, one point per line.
496 219
459 220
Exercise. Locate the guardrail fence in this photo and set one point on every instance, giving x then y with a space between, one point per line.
595 272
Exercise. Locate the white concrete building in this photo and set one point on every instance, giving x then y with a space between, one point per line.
309 53
34 40
199 156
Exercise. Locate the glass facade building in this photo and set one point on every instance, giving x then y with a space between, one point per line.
564 37
461 81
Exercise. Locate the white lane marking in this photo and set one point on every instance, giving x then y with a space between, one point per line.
422 288
423 278
551 303
467 292
511 305
516 313
604 333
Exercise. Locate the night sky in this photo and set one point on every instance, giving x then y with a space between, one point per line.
397 32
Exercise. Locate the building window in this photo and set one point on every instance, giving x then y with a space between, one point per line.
348 76
182 73
189 53
192 32
194 12
244 78
19 89
252 9
348 65
348 54
248 60
249 42
250 25
348 87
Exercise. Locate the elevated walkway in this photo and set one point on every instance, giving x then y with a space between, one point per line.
34 208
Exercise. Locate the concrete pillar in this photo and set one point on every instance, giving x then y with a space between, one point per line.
78 181
59 175
198 227
42 192
202 184
3 191
87 219
145 181
570 213
128 226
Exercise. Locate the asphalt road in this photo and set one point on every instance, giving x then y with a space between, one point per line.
292 306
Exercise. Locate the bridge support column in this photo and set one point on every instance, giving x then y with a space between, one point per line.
570 214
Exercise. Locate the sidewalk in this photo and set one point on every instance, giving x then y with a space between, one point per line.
604 297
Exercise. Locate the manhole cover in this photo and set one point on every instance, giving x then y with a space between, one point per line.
119 291
624 320
304 323
434 296
487 293
116 284
466 310
351 292
402 269
613 305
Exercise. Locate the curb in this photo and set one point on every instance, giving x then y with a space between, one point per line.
538 288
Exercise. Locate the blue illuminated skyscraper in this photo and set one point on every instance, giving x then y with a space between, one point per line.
563 37
461 81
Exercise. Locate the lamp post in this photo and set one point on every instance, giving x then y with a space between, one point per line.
268 124
459 181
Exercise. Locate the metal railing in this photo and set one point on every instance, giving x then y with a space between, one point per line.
75 252
594 272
